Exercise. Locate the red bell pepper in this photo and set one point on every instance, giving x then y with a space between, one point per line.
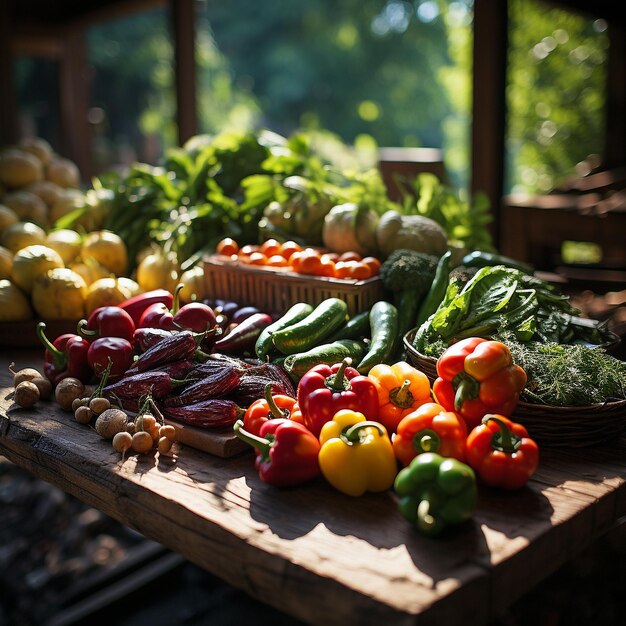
136 305
477 376
272 406
107 321
325 389
66 357
286 452
502 453
430 428
115 349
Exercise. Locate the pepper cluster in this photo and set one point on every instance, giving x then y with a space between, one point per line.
389 429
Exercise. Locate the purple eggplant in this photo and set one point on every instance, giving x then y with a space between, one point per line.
242 337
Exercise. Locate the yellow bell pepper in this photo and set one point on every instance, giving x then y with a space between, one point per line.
356 455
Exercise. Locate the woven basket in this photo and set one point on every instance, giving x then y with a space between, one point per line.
275 289
551 426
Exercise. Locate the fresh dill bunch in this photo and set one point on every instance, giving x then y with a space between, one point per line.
569 374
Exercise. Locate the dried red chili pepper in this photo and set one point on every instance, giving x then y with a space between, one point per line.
213 413
180 345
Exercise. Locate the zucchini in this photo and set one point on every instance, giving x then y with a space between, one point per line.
384 328
356 327
311 331
297 365
264 344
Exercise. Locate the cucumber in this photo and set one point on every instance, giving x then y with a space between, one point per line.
297 365
384 327
356 327
264 344
325 318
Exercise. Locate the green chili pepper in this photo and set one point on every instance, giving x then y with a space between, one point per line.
437 290
436 492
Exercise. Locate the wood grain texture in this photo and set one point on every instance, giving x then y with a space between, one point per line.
313 552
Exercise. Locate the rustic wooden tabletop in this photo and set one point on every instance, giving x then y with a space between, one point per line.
313 552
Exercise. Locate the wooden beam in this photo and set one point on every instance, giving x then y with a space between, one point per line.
8 100
489 104
74 105
183 22
615 137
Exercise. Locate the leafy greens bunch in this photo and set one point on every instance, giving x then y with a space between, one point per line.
499 301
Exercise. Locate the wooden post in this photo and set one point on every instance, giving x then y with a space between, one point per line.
489 104
8 107
183 21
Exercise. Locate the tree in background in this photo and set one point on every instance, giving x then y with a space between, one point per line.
556 95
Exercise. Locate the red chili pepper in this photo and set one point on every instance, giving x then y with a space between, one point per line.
157 315
272 406
107 321
502 453
136 305
194 316
66 357
477 376
286 452
326 389
115 349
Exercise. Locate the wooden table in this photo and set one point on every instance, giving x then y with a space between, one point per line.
313 552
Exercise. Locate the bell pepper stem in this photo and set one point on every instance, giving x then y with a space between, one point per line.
274 411
402 396
424 519
83 331
59 357
504 440
426 440
351 435
260 443
176 305
337 382
466 389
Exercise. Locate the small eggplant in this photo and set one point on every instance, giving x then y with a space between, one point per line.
242 337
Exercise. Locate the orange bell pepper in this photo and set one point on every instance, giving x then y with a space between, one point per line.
430 428
401 389
267 408
502 453
477 376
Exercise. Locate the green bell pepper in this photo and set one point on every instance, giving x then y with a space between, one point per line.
436 492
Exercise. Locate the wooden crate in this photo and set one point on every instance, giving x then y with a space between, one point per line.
275 290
